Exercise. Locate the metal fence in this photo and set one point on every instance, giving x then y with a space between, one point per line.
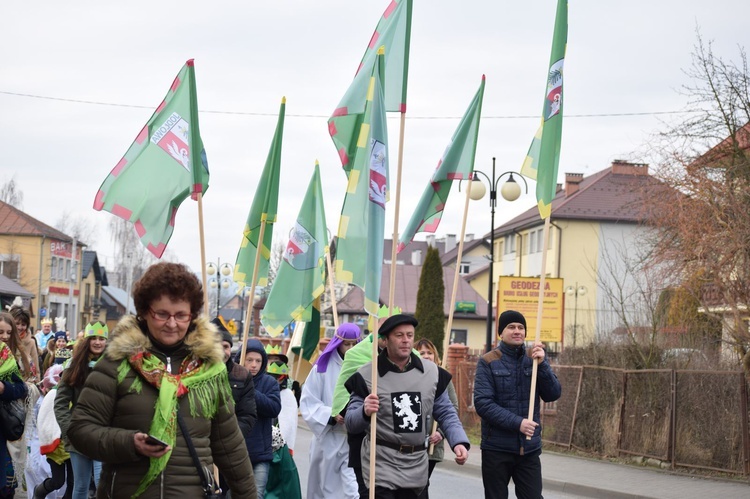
695 419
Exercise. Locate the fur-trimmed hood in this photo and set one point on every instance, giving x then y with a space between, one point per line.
127 339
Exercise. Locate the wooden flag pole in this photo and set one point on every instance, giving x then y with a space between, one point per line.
297 326
374 417
203 254
446 338
205 279
447 335
537 335
249 314
333 291
394 242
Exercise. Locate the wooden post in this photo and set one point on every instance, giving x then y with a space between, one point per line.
394 242
374 417
249 314
203 254
447 336
333 291
537 335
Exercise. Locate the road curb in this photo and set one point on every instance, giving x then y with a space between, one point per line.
577 489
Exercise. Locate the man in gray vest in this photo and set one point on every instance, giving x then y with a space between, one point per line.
409 389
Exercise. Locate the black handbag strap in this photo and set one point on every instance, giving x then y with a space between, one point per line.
193 453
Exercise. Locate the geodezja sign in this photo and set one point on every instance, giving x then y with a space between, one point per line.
522 294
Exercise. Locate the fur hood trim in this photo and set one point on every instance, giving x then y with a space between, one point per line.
127 339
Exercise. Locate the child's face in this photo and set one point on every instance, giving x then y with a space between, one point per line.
60 343
253 361
5 331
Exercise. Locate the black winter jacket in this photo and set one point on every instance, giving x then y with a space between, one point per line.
268 405
501 398
243 393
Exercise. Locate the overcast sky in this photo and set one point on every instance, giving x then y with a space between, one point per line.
622 57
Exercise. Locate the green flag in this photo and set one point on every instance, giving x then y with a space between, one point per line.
359 250
457 163
311 334
301 276
264 208
165 164
543 157
393 32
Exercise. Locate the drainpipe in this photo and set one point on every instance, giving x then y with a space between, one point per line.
559 245
39 289
519 250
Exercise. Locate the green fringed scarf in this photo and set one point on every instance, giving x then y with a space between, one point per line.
205 385
8 364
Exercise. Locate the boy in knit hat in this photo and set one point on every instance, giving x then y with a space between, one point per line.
268 405
511 443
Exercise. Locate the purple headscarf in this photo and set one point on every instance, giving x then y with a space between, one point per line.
346 331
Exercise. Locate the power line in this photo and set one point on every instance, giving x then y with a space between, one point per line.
250 113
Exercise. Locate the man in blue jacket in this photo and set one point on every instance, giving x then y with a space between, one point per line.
268 405
502 388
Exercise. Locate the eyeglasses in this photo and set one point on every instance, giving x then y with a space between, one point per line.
164 316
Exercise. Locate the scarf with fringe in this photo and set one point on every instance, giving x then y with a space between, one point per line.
206 385
8 364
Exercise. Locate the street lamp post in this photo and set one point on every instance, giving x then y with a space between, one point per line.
510 191
575 291
222 279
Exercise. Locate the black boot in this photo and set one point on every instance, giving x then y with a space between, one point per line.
40 491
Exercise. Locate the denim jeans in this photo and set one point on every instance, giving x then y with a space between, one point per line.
82 468
260 470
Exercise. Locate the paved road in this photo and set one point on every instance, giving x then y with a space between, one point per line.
448 481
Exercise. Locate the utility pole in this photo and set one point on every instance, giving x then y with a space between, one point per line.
71 319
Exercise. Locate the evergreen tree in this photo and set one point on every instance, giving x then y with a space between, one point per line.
430 298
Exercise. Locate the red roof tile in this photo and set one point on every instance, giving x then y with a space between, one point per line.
14 222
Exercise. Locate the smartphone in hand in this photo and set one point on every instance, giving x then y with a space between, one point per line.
152 440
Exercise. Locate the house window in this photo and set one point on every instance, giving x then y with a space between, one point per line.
53 269
54 310
459 336
532 242
67 271
510 244
88 296
464 268
540 240
9 266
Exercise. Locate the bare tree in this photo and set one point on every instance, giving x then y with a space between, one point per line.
81 228
277 255
11 194
703 226
129 252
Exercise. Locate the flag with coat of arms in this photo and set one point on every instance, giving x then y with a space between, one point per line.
165 164
543 158
359 248
301 275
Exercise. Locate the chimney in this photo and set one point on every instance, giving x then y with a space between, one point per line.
450 242
416 257
572 183
431 240
468 238
622 167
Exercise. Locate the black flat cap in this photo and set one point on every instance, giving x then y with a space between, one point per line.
396 320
